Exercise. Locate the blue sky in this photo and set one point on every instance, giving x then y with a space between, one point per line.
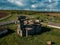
36 5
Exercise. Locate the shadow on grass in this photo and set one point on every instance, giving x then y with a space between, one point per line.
53 43
9 32
43 30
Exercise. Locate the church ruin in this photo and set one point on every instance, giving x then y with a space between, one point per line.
28 26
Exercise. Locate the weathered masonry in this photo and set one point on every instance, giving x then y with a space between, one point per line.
28 26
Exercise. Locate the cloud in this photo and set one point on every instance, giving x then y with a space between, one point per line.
38 5
33 6
17 2
53 5
20 2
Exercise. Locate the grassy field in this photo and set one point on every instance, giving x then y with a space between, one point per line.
40 39
44 17
12 17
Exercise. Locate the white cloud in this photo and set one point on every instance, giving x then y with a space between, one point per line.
40 4
27 9
53 5
33 6
17 2
50 0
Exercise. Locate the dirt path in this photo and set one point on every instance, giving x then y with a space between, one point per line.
54 25
7 22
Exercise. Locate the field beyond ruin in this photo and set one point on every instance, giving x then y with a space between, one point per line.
48 34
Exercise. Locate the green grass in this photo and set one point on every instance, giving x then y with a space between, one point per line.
44 17
12 17
41 39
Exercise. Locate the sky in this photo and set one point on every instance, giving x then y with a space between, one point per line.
35 5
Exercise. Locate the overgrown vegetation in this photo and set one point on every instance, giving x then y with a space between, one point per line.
43 16
40 39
